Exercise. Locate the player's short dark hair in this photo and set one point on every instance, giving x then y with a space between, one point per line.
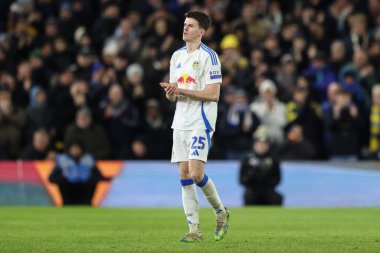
203 19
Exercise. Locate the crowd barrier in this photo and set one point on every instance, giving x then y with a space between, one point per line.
156 184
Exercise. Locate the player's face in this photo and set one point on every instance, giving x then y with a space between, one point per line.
191 30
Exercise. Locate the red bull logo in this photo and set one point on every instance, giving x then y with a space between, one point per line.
186 80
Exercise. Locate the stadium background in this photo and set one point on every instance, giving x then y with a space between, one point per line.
286 64
58 60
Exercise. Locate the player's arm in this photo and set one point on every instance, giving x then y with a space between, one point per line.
210 93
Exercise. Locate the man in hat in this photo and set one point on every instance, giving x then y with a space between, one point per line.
93 136
84 61
260 173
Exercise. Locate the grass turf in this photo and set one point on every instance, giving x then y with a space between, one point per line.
26 229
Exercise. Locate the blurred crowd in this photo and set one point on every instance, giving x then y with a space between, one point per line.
89 71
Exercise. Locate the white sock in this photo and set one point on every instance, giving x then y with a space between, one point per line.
209 190
190 204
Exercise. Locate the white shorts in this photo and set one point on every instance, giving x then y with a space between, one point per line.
190 144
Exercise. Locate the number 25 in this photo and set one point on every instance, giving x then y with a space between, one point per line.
200 141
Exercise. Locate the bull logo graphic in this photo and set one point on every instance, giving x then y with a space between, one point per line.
186 80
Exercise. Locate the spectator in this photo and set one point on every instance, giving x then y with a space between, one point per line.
327 110
338 56
23 84
344 128
20 41
296 147
38 114
40 148
273 52
374 142
51 29
83 13
155 70
62 57
39 71
362 71
67 24
99 83
286 77
321 74
349 82
245 78
270 111
12 123
79 93
82 38
160 35
288 33
105 26
109 52
358 37
125 34
374 51
135 87
92 135
302 110
120 64
340 10
260 173
61 104
255 27
156 127
231 58
274 18
121 121
317 35
76 175
139 150
84 62
299 50
236 124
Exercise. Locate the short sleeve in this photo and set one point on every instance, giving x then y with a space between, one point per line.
213 70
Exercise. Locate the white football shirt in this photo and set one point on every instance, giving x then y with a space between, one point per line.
194 71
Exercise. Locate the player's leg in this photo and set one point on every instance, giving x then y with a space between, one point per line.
196 169
197 158
190 204
189 191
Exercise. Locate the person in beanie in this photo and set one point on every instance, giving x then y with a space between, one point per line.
260 173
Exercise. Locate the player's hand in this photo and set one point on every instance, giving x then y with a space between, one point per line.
170 88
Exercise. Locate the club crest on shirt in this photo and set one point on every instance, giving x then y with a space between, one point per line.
195 64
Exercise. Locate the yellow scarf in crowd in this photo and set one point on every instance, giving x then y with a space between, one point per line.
374 143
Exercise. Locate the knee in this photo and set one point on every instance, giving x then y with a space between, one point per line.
197 177
184 175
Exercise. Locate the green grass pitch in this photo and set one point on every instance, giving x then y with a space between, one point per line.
40 229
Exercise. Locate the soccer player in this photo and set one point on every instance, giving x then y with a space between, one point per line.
195 78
